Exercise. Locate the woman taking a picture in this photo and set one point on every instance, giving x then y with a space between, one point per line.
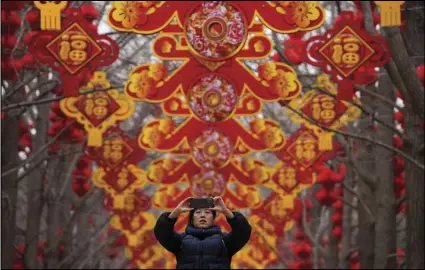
203 245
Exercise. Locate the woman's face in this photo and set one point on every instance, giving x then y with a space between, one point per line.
203 218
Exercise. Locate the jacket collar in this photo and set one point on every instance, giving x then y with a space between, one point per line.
202 233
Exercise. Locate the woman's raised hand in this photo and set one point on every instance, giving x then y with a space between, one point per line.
182 207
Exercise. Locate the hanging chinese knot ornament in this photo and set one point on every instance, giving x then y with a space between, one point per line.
75 51
343 50
98 108
118 173
299 160
318 109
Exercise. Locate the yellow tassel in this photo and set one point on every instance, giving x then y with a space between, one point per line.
128 253
95 138
50 14
132 240
390 12
118 202
325 141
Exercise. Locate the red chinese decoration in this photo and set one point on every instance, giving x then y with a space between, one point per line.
81 175
303 154
12 62
151 17
342 50
118 173
328 179
318 109
58 122
75 52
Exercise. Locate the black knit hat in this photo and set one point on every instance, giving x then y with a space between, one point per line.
192 212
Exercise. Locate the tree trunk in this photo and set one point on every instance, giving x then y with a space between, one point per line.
332 260
366 185
35 189
413 93
385 221
53 212
67 196
9 190
346 221
366 205
414 197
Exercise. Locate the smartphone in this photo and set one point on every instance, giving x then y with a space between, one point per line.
201 203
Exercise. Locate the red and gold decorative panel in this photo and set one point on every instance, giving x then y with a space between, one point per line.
343 50
318 108
117 150
148 17
75 52
134 204
211 38
257 254
134 227
120 184
98 110
162 135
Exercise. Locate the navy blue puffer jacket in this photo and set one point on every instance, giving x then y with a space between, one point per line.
203 248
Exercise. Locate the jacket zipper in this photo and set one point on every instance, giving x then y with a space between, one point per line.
201 261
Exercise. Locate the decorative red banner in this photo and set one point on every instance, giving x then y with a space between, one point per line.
302 153
148 17
117 150
343 50
98 110
318 109
75 52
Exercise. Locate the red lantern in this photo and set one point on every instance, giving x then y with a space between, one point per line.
303 250
420 72
397 142
307 264
61 249
344 16
325 241
400 256
324 197
276 57
294 51
403 207
28 36
398 94
337 219
33 18
28 60
399 117
338 205
300 235
398 164
355 265
13 21
295 265
337 232
89 12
